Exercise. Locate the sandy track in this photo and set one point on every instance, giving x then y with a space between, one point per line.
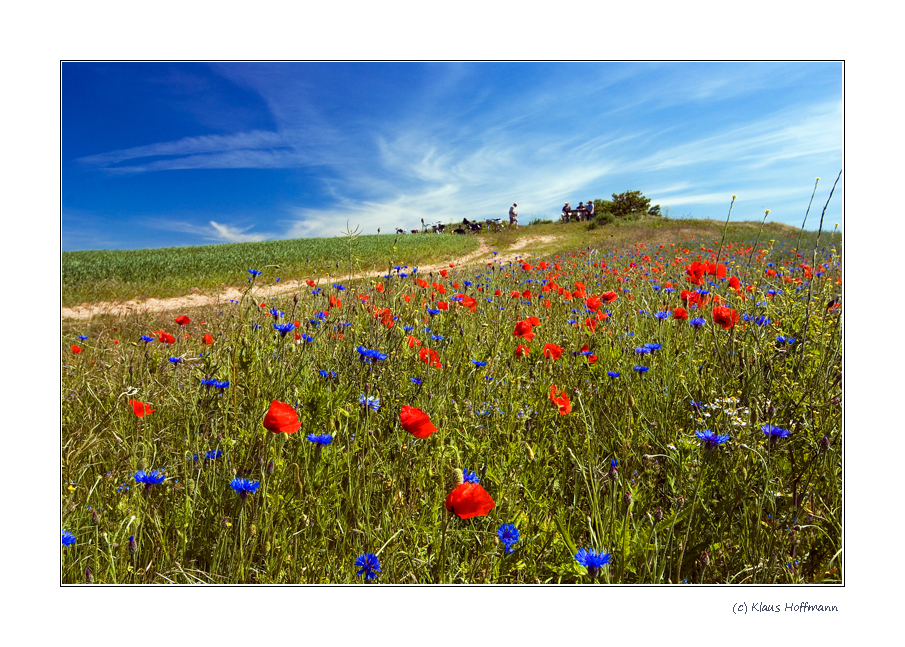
87 311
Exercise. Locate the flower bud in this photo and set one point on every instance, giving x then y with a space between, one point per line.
627 498
658 514
680 502
133 547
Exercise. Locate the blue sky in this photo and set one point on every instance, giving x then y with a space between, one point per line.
160 154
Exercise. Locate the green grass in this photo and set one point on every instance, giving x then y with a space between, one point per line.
752 511
107 275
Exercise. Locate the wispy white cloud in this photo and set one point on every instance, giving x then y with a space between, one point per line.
214 232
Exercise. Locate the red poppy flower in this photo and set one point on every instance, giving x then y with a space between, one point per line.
416 422
552 351
526 267
561 400
281 418
469 500
76 349
696 271
566 295
310 283
444 273
734 283
593 303
534 321
718 270
547 303
467 301
335 303
183 320
609 297
522 351
680 313
724 316
442 305
413 342
515 294
690 298
591 358
141 409
166 338
379 287
207 339
523 329
430 357
497 293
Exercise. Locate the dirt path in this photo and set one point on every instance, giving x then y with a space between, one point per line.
86 311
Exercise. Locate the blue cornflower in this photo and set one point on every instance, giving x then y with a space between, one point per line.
213 455
479 364
407 328
785 340
175 360
470 477
642 369
592 560
256 326
209 383
244 487
612 373
662 315
150 478
83 337
326 374
371 402
697 322
643 350
711 440
339 287
696 405
775 432
68 538
284 328
432 311
416 380
508 534
653 347
221 385
368 565
762 320
467 283
438 337
254 272
276 314
146 338
320 439
370 354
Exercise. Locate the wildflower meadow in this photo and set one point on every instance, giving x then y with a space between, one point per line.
652 412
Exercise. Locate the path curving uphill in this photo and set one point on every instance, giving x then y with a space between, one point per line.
124 308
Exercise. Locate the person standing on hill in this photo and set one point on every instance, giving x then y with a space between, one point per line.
513 216
590 209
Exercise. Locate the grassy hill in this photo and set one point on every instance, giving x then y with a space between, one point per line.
117 275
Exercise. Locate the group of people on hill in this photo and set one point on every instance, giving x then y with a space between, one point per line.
581 212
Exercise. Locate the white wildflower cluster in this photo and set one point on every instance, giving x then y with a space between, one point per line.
738 416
